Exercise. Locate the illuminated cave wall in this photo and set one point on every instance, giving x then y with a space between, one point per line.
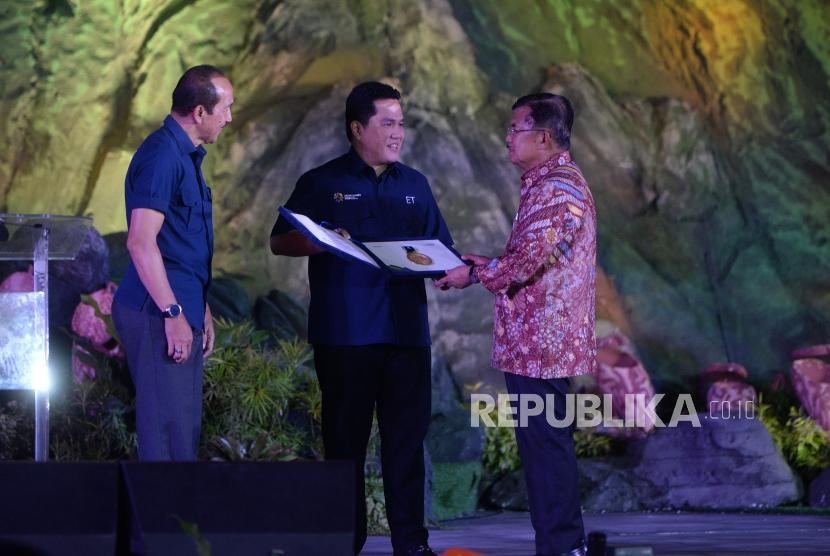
701 126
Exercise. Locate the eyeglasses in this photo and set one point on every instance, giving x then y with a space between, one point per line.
511 131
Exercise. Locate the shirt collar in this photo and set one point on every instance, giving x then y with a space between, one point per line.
358 167
182 139
540 171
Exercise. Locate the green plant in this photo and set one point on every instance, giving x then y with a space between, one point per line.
261 448
589 444
107 319
261 402
802 441
501 453
253 391
17 428
376 521
91 419
190 529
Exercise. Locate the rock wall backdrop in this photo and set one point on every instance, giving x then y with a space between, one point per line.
702 127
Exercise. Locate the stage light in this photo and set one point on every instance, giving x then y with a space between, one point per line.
40 376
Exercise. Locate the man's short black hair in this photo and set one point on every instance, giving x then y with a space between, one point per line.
195 87
551 112
360 104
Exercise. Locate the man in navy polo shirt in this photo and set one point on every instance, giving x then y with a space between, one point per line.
160 309
370 331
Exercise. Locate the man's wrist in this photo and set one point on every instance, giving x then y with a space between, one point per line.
172 311
473 277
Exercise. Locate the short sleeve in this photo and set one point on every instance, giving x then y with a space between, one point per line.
152 182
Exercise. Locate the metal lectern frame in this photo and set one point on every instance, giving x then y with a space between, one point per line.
24 348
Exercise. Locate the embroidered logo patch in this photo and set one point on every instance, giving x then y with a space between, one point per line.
410 200
340 197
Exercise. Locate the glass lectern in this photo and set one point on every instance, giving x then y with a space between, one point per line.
24 333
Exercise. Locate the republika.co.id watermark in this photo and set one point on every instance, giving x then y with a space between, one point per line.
593 410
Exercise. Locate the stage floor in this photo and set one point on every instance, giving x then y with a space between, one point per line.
686 534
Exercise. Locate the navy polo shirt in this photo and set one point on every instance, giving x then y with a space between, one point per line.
165 175
353 303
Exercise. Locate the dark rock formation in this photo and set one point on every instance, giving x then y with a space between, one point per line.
228 299
281 314
89 270
509 493
724 464
86 273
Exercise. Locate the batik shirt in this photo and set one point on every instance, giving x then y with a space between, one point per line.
543 324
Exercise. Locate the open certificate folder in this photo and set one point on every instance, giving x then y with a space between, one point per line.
422 257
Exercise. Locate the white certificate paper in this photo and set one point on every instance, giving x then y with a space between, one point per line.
333 239
421 257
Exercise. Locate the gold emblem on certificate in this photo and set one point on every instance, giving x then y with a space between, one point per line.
416 256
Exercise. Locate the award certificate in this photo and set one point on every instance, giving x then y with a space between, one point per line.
407 257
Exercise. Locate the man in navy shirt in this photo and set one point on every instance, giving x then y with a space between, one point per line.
160 309
369 330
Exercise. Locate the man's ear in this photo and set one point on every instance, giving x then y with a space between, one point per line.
199 113
356 129
547 139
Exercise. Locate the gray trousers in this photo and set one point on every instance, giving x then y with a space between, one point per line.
168 395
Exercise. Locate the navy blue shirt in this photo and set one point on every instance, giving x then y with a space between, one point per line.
353 303
165 175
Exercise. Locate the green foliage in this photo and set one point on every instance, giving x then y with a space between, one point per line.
203 547
89 420
377 523
107 319
93 419
589 444
455 488
17 429
259 402
802 441
259 449
501 453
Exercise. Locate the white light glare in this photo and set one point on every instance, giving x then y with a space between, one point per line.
40 376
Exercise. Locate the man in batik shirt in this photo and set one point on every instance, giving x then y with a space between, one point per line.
543 329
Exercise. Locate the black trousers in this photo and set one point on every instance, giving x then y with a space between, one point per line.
168 395
396 381
549 463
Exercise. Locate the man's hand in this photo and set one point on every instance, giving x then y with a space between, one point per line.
294 244
209 336
458 277
478 260
179 338
342 232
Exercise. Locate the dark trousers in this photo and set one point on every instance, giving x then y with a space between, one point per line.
168 395
549 463
355 380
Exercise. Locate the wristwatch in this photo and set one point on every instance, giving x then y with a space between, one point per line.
172 311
